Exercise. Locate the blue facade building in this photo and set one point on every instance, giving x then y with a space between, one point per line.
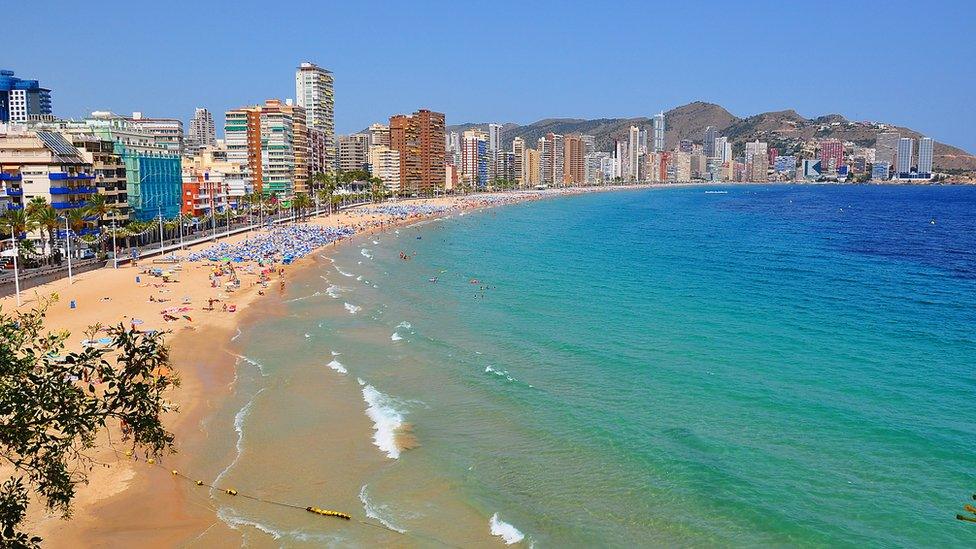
880 171
482 163
22 100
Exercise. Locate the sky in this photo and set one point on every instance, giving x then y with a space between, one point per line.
909 63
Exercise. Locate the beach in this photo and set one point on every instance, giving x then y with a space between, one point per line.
128 499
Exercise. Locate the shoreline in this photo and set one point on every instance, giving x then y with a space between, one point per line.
109 506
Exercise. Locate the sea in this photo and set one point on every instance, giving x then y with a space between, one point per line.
732 366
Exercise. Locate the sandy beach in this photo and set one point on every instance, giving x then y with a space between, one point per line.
128 500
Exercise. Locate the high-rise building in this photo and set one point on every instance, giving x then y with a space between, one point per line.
201 133
886 147
574 167
385 164
633 154
22 100
925 148
905 153
379 134
723 149
708 143
419 138
168 131
531 168
494 137
353 152
831 155
658 124
518 160
551 159
272 141
314 91
474 159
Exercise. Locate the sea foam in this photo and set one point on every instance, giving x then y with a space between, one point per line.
387 420
353 309
333 291
376 511
509 533
337 366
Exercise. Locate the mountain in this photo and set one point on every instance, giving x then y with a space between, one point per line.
786 130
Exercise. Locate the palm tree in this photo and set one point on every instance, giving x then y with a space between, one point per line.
97 207
48 219
18 221
36 204
302 202
326 185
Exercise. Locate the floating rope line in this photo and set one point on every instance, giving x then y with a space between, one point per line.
128 455
969 508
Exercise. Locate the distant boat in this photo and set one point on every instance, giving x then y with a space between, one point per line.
716 192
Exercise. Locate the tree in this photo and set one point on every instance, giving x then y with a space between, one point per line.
378 189
326 185
47 219
53 404
34 205
302 203
17 221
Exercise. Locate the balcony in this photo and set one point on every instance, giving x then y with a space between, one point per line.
10 176
73 190
62 176
69 204
15 206
10 191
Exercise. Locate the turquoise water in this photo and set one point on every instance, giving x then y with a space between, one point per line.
773 366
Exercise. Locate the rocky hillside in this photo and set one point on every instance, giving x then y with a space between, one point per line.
783 129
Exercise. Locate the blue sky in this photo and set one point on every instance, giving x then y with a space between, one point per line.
909 63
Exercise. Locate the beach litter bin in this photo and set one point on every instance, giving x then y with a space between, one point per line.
138 280
73 305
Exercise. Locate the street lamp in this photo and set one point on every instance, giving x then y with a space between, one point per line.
67 247
13 242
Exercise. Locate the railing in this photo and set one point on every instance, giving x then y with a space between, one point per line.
11 176
14 192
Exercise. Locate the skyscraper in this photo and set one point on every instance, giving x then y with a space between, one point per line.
905 153
494 137
202 132
708 143
22 100
474 158
925 146
270 142
518 160
659 132
831 155
314 92
633 154
886 147
574 166
419 137
551 159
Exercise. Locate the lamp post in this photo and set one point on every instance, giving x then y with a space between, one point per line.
67 247
13 242
115 249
